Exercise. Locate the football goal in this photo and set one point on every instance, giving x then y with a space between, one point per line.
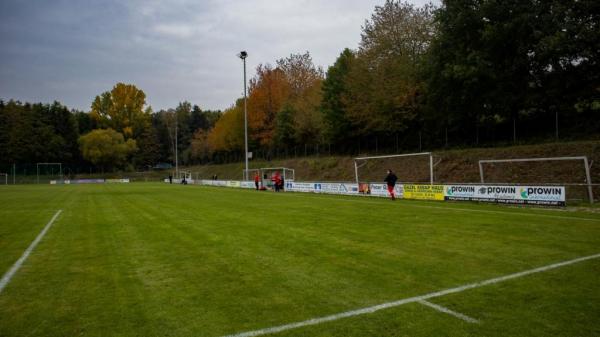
266 174
544 174
49 171
4 178
187 175
409 167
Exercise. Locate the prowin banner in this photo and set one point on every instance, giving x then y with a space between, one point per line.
537 195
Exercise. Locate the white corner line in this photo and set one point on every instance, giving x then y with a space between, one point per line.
372 309
448 311
15 267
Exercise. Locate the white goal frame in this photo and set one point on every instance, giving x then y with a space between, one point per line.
429 154
185 174
37 166
247 176
5 178
585 164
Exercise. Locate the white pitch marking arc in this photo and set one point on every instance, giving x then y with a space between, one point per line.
448 311
17 265
368 310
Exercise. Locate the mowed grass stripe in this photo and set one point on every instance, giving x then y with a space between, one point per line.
24 213
150 259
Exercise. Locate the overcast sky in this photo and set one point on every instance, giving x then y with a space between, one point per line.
176 50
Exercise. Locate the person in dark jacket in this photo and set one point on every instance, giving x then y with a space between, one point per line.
390 180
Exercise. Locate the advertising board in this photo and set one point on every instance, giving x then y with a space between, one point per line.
424 192
537 195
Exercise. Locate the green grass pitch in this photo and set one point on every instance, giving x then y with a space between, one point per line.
171 260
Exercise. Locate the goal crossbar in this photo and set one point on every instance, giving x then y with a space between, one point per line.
430 154
516 160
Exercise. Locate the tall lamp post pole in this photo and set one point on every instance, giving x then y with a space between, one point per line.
243 56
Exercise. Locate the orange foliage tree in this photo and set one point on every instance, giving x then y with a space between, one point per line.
269 90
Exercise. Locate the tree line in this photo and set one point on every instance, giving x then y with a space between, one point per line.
467 73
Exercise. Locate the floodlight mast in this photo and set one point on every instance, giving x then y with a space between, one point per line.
243 54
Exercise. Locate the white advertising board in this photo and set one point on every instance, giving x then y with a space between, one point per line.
538 195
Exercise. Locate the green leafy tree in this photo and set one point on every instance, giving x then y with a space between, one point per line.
284 130
148 153
122 109
106 148
384 85
335 91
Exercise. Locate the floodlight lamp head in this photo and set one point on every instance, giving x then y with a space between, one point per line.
243 54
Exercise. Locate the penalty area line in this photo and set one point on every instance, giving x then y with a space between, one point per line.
448 311
421 298
15 267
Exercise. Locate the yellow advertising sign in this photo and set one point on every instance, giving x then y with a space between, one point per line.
424 192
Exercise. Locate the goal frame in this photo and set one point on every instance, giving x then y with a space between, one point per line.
181 174
586 165
5 178
247 176
37 166
429 154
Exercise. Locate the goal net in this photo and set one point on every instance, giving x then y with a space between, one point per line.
47 172
184 176
249 174
409 168
571 172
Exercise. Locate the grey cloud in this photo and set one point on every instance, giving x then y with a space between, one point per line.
173 50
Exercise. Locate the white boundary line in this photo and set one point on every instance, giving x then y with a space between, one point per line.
340 197
445 208
15 267
368 310
449 312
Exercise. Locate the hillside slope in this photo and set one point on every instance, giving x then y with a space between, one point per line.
451 166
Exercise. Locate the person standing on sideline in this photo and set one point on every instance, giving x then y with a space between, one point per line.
170 178
390 180
256 181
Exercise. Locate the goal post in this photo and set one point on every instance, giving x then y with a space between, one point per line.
48 167
250 173
420 154
5 175
586 165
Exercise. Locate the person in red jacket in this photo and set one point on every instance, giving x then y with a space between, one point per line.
390 180
257 181
276 181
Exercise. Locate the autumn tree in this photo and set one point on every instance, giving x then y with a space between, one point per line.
122 109
269 90
228 133
304 80
106 147
200 148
